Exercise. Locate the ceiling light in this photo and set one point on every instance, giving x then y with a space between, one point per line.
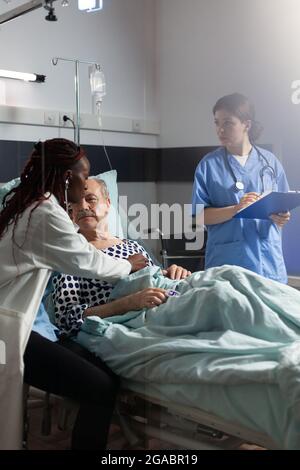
27 77
90 5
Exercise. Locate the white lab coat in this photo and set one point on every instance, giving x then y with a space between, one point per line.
47 242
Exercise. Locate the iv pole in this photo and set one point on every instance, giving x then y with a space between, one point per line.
77 96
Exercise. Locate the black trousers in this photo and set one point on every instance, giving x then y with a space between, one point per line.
67 369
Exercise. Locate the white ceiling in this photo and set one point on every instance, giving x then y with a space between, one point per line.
5 7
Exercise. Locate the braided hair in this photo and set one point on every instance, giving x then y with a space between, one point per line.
43 173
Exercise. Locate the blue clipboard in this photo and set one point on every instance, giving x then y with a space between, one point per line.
270 203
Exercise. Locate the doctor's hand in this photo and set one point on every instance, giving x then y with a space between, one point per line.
176 272
247 199
137 262
281 219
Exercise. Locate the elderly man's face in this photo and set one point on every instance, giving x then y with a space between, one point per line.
92 209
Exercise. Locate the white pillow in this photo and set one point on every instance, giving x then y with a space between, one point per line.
110 178
114 219
6 187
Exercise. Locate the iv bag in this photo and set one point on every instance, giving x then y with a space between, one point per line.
98 85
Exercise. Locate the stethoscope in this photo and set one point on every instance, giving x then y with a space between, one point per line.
239 185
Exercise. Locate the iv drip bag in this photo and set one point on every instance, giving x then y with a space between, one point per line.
98 85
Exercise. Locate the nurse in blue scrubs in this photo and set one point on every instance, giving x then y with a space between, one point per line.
229 179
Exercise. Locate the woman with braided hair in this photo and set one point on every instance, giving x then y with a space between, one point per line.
38 237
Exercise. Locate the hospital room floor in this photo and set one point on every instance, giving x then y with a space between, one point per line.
60 440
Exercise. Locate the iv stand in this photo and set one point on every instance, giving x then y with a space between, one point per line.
77 100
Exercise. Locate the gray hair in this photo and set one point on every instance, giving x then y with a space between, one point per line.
103 187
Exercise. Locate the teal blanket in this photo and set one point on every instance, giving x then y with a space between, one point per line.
229 326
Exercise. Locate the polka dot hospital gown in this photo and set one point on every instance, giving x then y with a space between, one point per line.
73 295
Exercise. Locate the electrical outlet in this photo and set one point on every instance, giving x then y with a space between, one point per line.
67 123
136 125
50 118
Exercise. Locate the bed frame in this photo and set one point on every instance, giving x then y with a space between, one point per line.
143 418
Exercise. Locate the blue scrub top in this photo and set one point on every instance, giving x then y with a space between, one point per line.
250 243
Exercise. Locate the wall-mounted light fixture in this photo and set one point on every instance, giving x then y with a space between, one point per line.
84 5
90 5
27 77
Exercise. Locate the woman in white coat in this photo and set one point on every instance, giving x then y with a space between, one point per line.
36 238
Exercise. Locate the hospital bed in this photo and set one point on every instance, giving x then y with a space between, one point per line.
225 418
146 412
139 418
143 418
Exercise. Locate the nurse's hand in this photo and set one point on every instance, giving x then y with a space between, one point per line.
176 272
247 199
137 262
281 219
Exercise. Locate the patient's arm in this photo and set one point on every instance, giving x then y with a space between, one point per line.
146 298
74 298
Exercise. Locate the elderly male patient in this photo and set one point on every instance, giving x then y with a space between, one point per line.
76 298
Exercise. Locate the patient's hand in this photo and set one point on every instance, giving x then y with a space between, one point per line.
137 262
146 298
176 272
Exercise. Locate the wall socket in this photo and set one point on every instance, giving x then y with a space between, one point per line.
50 118
68 123
136 125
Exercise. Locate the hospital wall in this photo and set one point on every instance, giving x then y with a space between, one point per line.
165 61
122 38
209 48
